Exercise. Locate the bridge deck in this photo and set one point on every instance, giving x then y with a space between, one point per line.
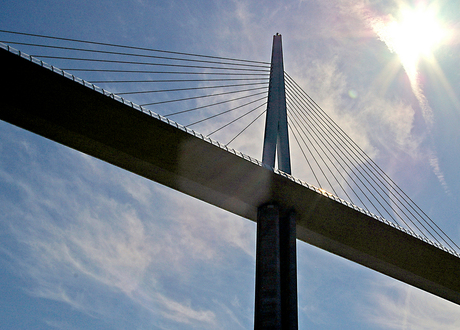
67 112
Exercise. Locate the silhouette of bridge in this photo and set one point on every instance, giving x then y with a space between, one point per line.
59 106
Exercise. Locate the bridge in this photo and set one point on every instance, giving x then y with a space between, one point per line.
78 114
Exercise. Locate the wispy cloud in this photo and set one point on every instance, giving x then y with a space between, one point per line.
407 39
393 305
184 313
386 28
83 243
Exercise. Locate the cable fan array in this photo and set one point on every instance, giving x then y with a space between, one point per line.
336 160
215 93
209 93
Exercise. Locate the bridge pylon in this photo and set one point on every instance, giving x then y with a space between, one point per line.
276 273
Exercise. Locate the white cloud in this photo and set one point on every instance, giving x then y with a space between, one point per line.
393 305
74 243
434 163
83 243
184 313
386 29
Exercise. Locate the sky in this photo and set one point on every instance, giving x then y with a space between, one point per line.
88 245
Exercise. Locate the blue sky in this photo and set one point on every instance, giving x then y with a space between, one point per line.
88 245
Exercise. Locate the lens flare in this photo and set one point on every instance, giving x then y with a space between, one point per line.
417 35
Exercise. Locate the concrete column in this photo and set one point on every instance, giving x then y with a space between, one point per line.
268 274
288 270
276 273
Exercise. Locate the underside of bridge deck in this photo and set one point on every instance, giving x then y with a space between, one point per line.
57 108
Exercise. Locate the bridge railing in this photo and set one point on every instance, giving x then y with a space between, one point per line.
220 145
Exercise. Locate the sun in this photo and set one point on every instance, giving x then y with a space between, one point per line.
415 35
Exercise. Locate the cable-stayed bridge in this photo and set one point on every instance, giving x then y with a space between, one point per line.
387 232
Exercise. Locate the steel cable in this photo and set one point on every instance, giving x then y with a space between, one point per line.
378 192
244 129
324 140
213 104
224 112
381 176
235 120
130 47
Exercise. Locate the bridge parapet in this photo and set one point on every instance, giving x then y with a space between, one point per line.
68 110
218 144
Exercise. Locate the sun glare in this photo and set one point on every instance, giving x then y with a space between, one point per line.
416 35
